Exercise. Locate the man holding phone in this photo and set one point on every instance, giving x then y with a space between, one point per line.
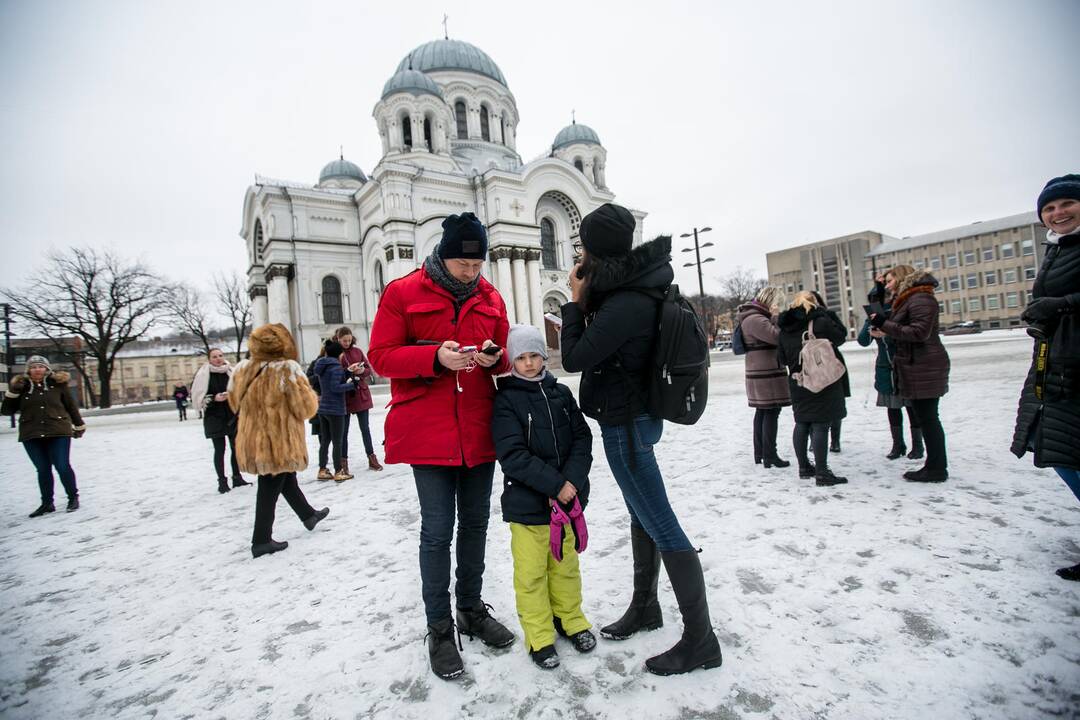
438 336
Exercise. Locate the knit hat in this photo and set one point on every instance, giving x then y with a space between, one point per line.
463 237
608 230
333 348
38 360
525 339
1066 186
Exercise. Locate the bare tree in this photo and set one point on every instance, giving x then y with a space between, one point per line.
186 309
740 286
234 304
96 296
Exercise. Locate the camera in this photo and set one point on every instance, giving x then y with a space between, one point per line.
1040 330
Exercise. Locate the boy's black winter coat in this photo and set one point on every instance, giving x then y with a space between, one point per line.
542 440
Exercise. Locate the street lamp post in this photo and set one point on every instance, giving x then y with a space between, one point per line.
697 254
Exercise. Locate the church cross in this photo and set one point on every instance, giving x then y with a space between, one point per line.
516 207
446 33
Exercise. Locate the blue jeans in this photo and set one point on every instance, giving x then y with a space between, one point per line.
1071 478
365 433
47 453
437 488
641 483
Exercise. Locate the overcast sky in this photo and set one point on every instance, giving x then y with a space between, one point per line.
138 125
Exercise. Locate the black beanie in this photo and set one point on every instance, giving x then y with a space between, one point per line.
463 237
333 348
608 230
1066 186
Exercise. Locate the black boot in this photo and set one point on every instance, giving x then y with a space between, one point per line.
825 478
46 507
239 481
775 461
698 646
314 520
73 503
927 475
644 611
898 447
834 433
917 449
1069 573
260 549
442 652
807 471
223 485
477 622
584 641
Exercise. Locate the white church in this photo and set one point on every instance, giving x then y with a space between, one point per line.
320 255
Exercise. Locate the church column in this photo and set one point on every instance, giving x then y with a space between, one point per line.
417 120
503 280
277 294
521 285
259 314
532 271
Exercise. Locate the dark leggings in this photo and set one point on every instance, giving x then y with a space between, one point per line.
332 428
933 434
765 432
896 418
365 432
818 434
270 488
219 456
834 430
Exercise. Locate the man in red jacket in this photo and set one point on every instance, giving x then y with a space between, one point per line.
428 338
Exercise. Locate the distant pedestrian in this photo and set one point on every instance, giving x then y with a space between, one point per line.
357 401
209 392
273 399
180 395
766 379
814 412
1049 412
48 419
334 384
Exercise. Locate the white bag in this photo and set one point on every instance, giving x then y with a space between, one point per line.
820 366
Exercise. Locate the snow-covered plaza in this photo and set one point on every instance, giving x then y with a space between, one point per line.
877 599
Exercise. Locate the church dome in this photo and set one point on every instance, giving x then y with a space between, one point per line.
341 169
411 81
575 133
452 55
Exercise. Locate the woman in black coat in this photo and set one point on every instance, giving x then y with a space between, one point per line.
608 334
210 394
814 412
1049 413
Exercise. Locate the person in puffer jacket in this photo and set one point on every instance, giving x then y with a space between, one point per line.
334 383
544 447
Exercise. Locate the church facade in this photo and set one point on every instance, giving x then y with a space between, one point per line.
320 255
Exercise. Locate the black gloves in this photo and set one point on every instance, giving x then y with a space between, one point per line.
877 295
877 320
1043 309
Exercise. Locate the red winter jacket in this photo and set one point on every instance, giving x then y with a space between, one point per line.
359 399
430 422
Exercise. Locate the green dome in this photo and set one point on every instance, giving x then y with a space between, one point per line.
452 55
411 81
341 169
575 133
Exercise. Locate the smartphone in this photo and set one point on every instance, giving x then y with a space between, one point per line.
491 350
467 349
875 308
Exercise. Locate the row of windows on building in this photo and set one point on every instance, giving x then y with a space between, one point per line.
1010 301
990 278
461 120
990 253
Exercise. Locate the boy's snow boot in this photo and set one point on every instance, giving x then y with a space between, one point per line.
584 641
260 549
238 481
73 503
442 652
373 462
899 449
314 520
644 611
698 646
477 622
223 485
917 449
45 508
545 658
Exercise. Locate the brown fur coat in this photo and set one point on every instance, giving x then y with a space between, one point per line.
274 400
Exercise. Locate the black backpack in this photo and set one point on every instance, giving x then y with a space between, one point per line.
738 345
678 376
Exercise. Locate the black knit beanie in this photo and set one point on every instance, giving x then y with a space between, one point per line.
333 348
608 230
463 237
1066 186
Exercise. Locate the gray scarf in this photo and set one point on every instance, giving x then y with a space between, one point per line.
436 268
539 377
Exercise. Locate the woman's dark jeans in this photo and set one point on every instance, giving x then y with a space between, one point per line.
219 456
47 453
1071 478
270 487
933 433
331 430
365 432
818 435
641 482
438 489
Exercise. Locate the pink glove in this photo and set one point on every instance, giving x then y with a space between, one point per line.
581 531
558 519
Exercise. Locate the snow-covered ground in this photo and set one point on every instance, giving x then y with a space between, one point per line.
879 599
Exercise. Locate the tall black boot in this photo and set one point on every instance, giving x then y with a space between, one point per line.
834 431
644 611
698 646
917 449
898 447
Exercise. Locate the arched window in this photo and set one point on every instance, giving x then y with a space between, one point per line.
502 128
579 165
548 257
427 133
331 300
596 174
406 131
380 283
258 242
485 126
462 120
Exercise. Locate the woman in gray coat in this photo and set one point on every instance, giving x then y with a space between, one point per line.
766 380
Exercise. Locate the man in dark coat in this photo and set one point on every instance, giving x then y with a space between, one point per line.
1049 412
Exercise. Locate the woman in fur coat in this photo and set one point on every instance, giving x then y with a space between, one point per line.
271 394
48 419
210 394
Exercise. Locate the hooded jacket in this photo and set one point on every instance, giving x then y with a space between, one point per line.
921 362
827 405
542 441
45 409
332 386
883 364
766 379
431 421
612 347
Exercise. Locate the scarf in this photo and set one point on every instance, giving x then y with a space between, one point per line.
903 297
1054 238
436 269
538 378
202 382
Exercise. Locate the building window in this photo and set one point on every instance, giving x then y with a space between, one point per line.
485 124
502 128
406 132
144 371
988 254
954 283
258 242
990 278
1008 276
462 121
331 300
935 263
974 304
1029 272
969 257
1027 247
380 283
1011 300
578 164
940 307
1007 251
427 133
547 244
920 264
950 261
955 307
1027 296
973 280
993 302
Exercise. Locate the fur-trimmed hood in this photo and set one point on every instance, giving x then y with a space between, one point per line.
646 266
919 277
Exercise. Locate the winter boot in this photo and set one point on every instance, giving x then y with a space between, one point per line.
644 611
545 658
342 474
917 449
324 474
223 485
314 520
775 461
345 468
442 652
834 433
698 646
478 622
926 475
806 472
826 478
373 462
238 481
45 508
898 446
260 549
584 641
1069 573
73 503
